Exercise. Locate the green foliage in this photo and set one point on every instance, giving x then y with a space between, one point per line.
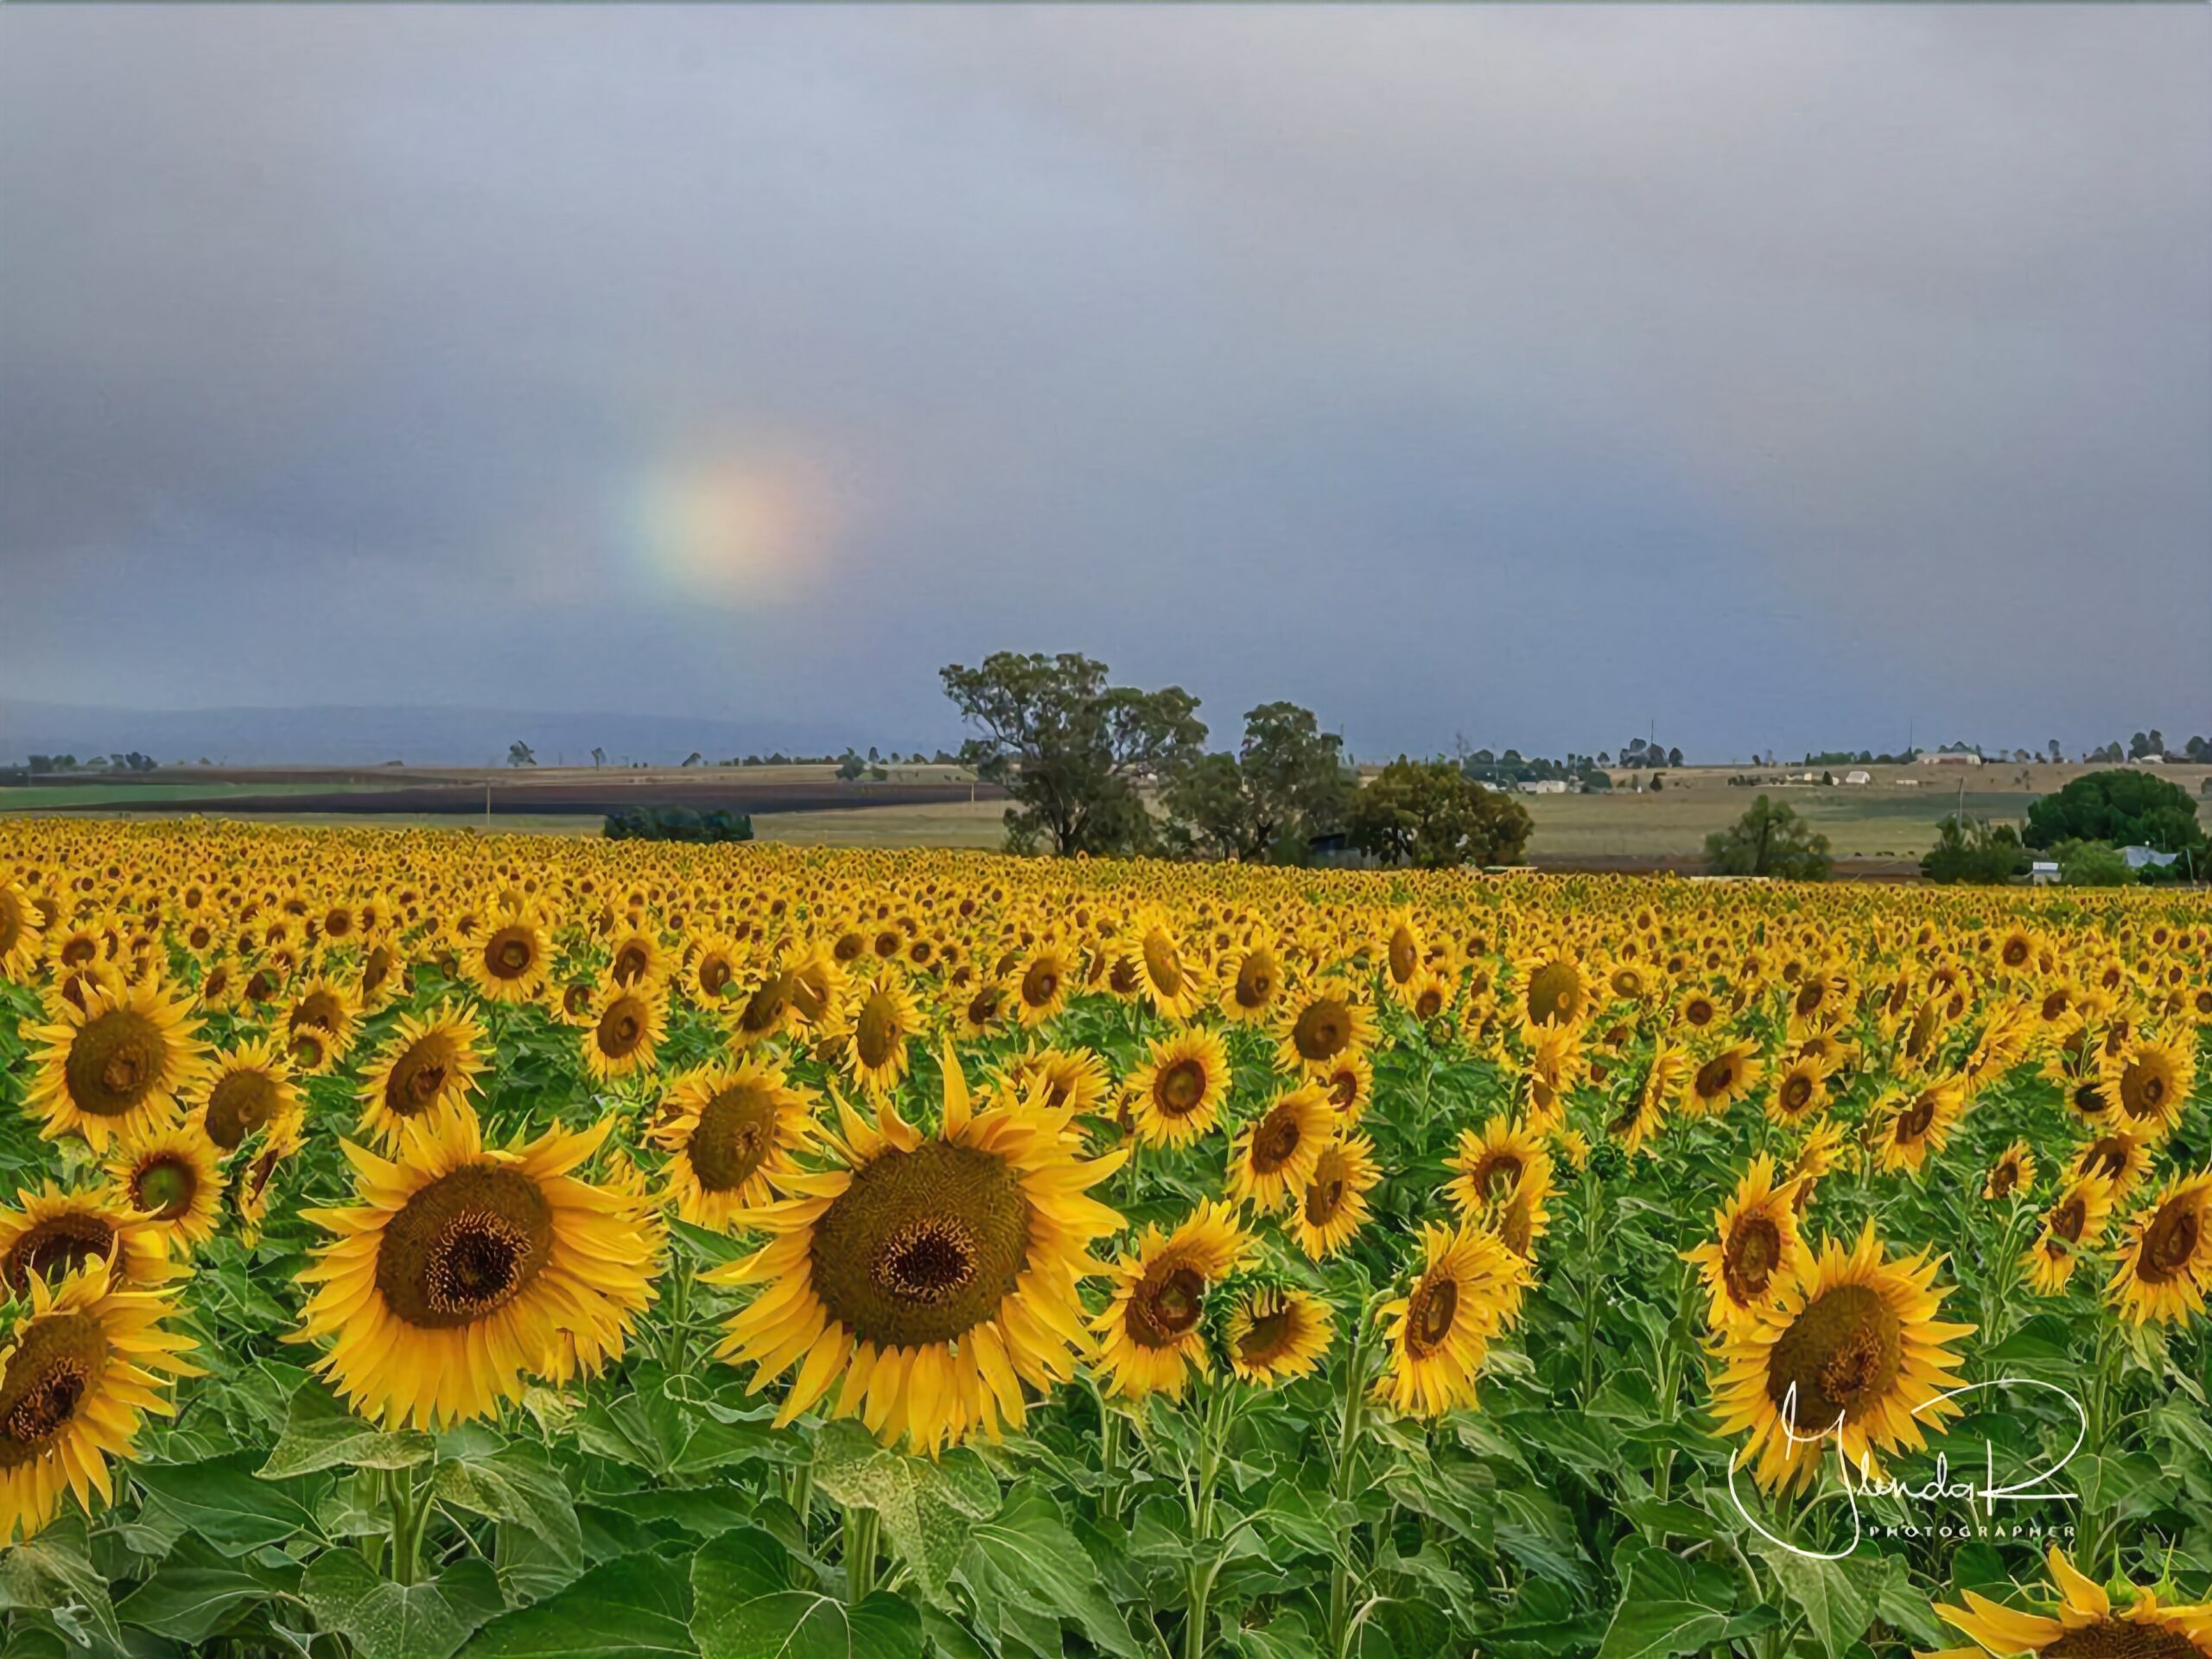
1071 748
1769 840
678 823
1266 802
1430 814
2092 864
1978 854
2128 807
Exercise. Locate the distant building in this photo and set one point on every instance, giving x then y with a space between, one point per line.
1951 757
1544 786
2138 858
1908 783
2043 873
1860 777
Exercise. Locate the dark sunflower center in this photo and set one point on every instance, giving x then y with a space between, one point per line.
1753 1253
164 1186
1796 1093
59 1361
319 1009
1162 964
1429 1319
2068 1219
464 1247
766 1006
1842 1354
1325 1195
1496 1175
713 974
1269 1338
1040 984
1698 1012
1428 1004
2122 1638
983 1007
1180 1088
2107 1157
2004 1178
1404 959
876 1033
1915 1121
115 1061
736 1128
1324 1027
1166 1304
419 1077
2171 1241
922 1246
621 1028
2142 1089
55 1246
1554 993
1255 982
240 1104
576 999
2015 952
630 961
1344 1089
1275 1143
1716 1077
509 953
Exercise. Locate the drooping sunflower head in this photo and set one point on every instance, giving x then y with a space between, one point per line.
1642 1108
1847 1357
1176 1096
1275 1154
1151 1334
2166 1263
252 1090
1349 1084
2150 1081
21 930
2082 1625
1163 975
2012 1176
78 1369
929 1278
1719 1082
763 1008
116 1066
1914 1123
2118 1159
451 1276
880 1020
55 1232
1070 1082
1439 1333
319 1025
732 1131
171 1178
983 1011
2074 1221
1251 984
1325 1025
1403 949
1277 1336
429 1068
1755 1249
1333 1207
629 1023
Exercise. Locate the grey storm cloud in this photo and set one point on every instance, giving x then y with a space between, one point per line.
1780 375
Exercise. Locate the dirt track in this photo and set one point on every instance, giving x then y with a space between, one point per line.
551 799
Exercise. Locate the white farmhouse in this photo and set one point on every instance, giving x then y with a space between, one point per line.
1859 777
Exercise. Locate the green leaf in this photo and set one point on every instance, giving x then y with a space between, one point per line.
53 1574
515 1485
1026 1557
189 1601
321 1434
1669 1606
747 1609
1836 1597
632 1605
383 1620
222 1502
928 1507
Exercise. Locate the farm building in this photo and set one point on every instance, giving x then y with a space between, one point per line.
1859 777
2137 858
1544 786
1951 757
2043 873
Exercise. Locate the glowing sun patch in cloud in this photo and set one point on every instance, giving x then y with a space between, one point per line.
746 525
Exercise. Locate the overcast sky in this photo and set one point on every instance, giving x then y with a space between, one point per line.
1781 375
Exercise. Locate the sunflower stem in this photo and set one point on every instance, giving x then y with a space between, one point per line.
860 1552
406 1521
1344 1475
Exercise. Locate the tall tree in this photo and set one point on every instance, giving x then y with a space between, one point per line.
1071 748
1769 839
520 755
1285 784
1430 813
2125 808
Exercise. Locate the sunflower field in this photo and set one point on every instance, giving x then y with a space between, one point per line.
424 1243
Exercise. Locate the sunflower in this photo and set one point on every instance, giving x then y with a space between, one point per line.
79 1368
1151 1334
2166 1262
451 1277
1821 1153
1491 1161
20 931
1072 1081
1911 1123
629 1023
510 963
429 1068
2004 1041
2119 1159
1722 1081
985 1011
1801 1091
1644 1108
1428 996
879 1019
638 960
1333 1207
763 1009
171 1177
54 1233
1699 1010
732 1131
115 1066
252 1089
1755 1249
1251 984
1327 1025
1555 990
1163 977
928 1277
2012 1174
1350 1084
715 960
2082 1625
2074 1221
1176 1096
1403 952
1849 1349
1275 1154
323 1012
1439 1333
1042 986
2150 1082
1278 1336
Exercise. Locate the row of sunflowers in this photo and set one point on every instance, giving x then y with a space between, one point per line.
429 1243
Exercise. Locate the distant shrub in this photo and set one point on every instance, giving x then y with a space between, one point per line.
2092 864
1978 854
677 823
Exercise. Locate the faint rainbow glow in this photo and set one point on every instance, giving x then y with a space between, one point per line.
744 526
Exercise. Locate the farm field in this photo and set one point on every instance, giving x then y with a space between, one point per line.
503 1244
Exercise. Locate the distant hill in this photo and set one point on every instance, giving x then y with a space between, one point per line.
432 737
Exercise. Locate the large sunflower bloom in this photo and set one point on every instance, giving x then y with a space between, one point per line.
252 1090
426 1070
1041 988
51 1233
115 1066
1275 1154
2074 1221
20 931
2165 1263
1163 975
172 1178
1277 1336
1913 1123
880 1020
2150 1080
78 1369
1251 984
1333 1207
510 963
1755 1249
628 1024
1323 1027
1438 1334
931 1277
1176 1096
1152 1332
732 1131
2082 1625
451 1277
1850 1351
